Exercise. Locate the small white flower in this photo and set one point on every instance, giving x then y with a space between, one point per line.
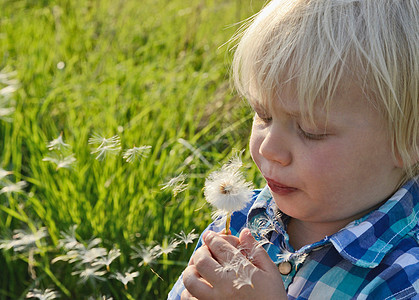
57 144
47 294
227 190
13 187
136 153
126 277
187 239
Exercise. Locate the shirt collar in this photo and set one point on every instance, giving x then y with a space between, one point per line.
365 241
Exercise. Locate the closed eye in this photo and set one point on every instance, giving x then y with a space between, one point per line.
311 136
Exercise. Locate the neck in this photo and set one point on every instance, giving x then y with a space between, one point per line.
304 233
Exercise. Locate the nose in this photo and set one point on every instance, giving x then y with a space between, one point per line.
275 146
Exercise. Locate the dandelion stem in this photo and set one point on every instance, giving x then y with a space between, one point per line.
228 223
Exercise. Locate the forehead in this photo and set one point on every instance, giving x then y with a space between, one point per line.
348 102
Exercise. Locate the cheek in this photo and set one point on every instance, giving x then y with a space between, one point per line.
254 145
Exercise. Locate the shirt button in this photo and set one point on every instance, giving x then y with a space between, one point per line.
285 268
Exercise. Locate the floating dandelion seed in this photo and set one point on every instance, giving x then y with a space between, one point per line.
47 294
62 162
170 247
13 187
106 145
108 259
60 65
90 273
69 240
136 153
57 144
285 255
8 90
148 254
227 190
176 184
80 253
22 240
126 277
300 258
244 277
4 173
6 112
187 238
232 263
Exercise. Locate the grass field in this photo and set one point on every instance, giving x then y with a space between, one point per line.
154 76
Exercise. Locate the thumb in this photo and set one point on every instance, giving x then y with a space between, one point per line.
255 252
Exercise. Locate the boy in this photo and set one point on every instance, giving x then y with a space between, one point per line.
334 86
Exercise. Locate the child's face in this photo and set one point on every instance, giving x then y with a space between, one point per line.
329 173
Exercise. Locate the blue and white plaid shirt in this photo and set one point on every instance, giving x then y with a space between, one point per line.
375 257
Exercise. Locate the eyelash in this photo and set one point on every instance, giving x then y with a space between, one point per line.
310 136
301 132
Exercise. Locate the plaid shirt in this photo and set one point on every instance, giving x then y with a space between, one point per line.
375 257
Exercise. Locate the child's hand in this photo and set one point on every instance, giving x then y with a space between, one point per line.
205 277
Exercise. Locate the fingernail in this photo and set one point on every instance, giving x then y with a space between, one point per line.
208 234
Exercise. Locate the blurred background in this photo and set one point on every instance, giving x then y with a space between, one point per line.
112 113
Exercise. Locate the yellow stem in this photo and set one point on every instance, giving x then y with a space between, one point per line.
228 223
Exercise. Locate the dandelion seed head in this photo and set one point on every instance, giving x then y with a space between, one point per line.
227 190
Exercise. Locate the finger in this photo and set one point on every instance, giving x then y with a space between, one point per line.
187 296
255 252
233 240
196 285
220 249
206 265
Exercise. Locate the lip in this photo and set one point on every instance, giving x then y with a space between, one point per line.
279 188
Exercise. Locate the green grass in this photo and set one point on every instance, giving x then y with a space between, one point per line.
152 72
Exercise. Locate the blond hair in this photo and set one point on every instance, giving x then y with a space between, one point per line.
316 43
